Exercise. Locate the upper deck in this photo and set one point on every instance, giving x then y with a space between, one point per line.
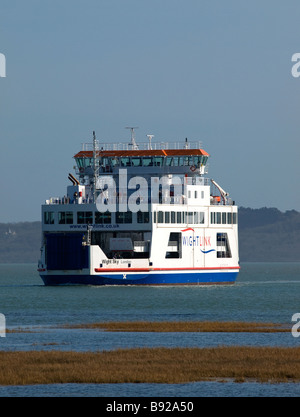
164 173
159 157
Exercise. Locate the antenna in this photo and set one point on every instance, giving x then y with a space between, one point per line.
133 142
150 138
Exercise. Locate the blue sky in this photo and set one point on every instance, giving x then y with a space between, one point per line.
211 70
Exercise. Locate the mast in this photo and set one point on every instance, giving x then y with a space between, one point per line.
133 142
95 168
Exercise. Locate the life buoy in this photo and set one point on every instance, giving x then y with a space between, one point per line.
193 168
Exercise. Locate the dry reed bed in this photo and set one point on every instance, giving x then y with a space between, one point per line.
152 365
187 326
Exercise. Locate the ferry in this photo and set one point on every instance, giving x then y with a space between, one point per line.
140 214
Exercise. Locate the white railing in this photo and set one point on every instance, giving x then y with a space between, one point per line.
118 146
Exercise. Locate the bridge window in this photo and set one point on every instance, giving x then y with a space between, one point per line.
136 162
125 162
158 161
169 161
147 162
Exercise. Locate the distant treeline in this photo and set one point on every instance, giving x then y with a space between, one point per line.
20 242
269 235
265 235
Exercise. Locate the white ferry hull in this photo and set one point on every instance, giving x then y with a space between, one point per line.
171 277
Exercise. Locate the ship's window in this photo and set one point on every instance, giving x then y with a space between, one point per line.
125 162
69 217
102 218
201 217
136 162
223 247
160 217
84 217
173 217
48 217
84 162
197 160
169 161
176 161
158 161
115 162
80 162
143 217
62 217
190 218
65 217
167 217
147 162
215 217
123 217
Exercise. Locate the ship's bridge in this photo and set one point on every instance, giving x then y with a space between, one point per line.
163 158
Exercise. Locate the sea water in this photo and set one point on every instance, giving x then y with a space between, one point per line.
265 292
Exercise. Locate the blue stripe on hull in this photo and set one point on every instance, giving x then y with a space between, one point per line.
143 279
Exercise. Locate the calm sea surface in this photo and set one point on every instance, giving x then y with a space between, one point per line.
266 292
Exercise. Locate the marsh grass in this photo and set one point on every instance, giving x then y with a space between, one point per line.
186 326
151 365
